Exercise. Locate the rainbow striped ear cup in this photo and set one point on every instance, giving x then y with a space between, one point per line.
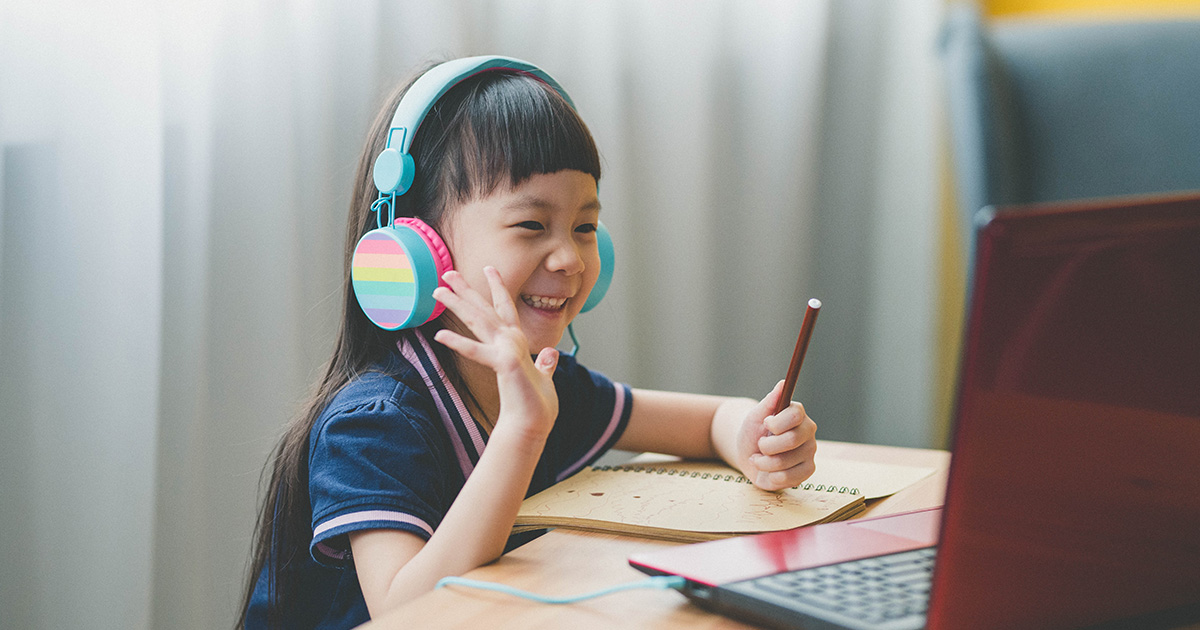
607 259
394 272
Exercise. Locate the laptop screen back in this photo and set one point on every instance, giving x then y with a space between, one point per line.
1075 481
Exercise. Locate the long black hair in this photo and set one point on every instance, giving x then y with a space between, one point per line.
492 130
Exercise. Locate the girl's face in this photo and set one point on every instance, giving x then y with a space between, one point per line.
541 237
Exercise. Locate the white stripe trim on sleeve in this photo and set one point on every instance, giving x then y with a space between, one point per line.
371 515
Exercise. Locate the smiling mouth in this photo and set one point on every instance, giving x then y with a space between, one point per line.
544 303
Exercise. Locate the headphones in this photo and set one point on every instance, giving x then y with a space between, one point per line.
397 266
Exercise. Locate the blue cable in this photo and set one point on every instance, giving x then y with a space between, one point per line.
660 581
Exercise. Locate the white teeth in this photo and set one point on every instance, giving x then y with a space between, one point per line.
537 301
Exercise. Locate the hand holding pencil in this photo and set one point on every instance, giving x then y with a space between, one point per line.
782 439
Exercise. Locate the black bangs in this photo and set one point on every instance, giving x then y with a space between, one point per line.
502 128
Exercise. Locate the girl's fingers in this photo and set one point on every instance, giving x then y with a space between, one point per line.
785 459
466 303
498 341
458 284
780 479
465 347
501 301
547 360
773 444
449 298
791 417
767 404
776 444
470 314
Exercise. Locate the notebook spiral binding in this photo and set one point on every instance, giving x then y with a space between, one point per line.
820 487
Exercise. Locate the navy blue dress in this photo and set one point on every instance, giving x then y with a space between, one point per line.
392 451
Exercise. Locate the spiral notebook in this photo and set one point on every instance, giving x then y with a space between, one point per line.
692 501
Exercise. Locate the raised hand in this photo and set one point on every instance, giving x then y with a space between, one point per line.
528 400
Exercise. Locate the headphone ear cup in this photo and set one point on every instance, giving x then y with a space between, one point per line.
394 272
608 259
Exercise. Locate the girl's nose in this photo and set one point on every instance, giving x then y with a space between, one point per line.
566 257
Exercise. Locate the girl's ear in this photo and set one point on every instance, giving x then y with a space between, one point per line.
608 257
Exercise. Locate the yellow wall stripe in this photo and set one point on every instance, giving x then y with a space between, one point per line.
1099 8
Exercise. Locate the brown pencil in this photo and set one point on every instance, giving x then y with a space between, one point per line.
806 328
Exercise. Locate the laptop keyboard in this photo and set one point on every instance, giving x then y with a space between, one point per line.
874 591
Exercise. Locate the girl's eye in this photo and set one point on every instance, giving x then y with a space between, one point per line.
586 228
530 225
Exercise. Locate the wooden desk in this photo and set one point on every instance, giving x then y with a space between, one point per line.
567 563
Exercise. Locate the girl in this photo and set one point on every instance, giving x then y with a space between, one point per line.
383 485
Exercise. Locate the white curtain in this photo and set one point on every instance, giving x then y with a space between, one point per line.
173 188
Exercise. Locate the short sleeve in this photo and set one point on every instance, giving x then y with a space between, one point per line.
374 464
593 412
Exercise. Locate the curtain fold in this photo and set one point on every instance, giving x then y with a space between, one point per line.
174 180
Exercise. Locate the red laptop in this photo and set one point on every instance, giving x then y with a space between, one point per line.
1074 493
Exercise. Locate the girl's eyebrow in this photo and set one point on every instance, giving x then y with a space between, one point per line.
526 202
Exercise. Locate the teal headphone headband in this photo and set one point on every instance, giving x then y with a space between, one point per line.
394 169
397 266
